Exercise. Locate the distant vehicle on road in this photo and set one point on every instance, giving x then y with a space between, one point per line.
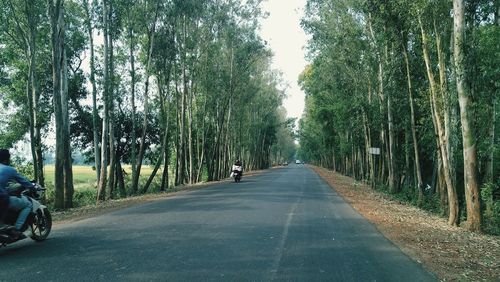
285 163
297 162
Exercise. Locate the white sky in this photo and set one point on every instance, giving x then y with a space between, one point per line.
286 38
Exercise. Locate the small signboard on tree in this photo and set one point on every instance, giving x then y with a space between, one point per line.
374 151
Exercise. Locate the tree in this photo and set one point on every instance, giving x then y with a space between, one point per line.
63 180
469 147
362 54
22 27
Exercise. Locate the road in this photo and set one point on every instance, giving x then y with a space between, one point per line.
285 224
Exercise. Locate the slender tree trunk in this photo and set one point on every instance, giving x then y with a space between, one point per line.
178 131
56 15
164 177
201 153
420 183
490 167
452 193
157 165
133 155
164 180
95 115
142 148
441 182
68 160
468 136
182 141
393 186
190 138
31 112
111 92
35 95
101 191
369 156
120 177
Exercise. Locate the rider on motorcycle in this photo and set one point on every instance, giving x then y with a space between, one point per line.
20 204
237 168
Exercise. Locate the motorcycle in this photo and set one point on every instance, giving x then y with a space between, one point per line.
237 175
39 221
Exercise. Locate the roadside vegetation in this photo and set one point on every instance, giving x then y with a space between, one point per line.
403 95
183 86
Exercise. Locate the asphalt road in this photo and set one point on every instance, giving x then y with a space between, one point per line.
285 224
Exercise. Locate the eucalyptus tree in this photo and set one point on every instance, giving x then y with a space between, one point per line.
63 180
150 18
469 140
89 24
362 54
24 27
107 97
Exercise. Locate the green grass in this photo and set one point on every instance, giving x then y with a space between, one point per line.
85 177
85 183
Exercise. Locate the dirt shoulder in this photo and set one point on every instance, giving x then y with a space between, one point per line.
452 253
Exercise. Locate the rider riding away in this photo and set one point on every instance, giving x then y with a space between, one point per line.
237 168
20 204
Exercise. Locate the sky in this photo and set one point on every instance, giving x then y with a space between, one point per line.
287 40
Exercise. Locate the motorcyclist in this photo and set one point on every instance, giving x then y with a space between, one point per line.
237 168
19 204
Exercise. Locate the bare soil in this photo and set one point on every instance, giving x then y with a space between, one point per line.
452 253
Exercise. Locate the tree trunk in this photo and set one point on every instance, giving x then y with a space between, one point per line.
68 160
182 136
490 167
157 165
101 191
468 136
190 137
95 115
369 156
120 178
142 148
111 99
441 178
443 141
55 14
35 95
420 183
132 100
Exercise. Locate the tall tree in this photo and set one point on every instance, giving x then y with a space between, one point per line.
95 115
469 143
63 180
22 27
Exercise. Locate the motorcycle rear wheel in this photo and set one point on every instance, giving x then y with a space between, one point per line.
41 226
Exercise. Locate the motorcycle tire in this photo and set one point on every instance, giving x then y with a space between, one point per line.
41 226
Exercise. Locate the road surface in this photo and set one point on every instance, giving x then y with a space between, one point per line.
285 224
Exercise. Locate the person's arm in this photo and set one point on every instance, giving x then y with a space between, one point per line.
20 179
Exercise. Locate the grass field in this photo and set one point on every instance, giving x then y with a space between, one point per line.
85 176
85 183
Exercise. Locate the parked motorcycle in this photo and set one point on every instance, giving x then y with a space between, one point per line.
39 221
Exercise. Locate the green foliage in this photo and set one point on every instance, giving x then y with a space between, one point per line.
85 197
490 196
357 92
23 167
